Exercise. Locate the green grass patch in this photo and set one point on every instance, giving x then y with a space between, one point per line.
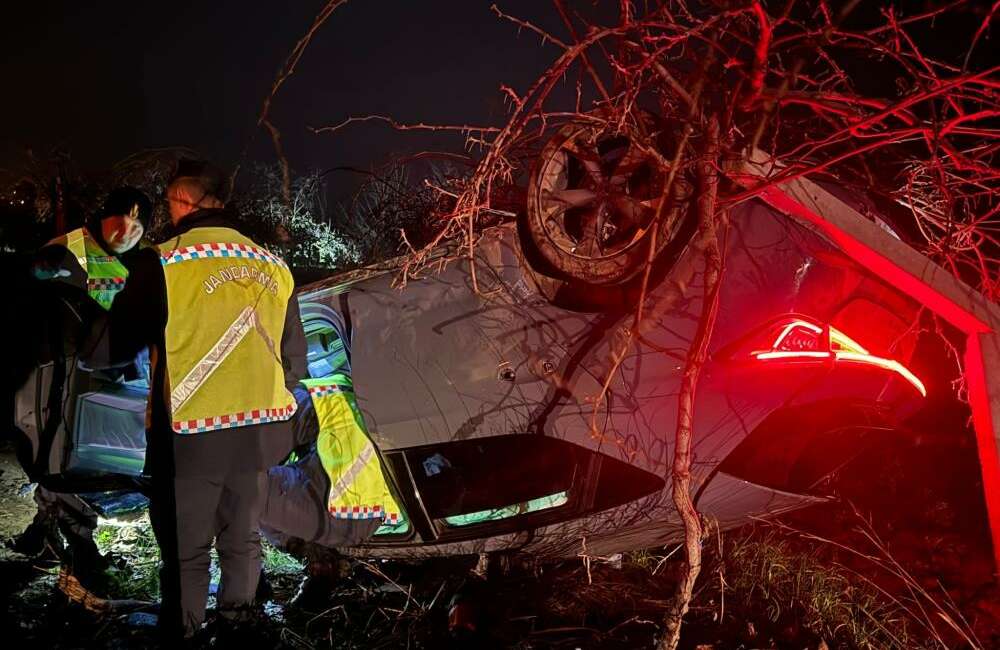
277 562
131 548
132 551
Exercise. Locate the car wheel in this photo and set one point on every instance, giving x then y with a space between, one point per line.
593 199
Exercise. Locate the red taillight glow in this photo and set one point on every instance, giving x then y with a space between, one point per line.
802 340
792 355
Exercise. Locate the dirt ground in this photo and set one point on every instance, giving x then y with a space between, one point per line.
16 510
26 587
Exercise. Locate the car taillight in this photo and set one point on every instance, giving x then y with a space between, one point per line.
800 340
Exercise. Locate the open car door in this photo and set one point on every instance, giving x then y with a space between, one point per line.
82 429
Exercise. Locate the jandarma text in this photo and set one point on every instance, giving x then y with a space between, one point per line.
229 274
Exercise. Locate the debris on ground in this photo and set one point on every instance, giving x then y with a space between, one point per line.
776 586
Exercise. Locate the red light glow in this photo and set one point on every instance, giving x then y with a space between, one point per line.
784 354
945 297
791 341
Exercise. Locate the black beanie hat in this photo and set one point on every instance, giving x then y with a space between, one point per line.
125 200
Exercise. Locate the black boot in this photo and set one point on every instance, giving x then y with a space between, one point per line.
325 569
244 628
314 593
88 565
265 591
38 541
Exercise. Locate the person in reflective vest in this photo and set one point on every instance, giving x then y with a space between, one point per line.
226 347
90 257
90 262
342 475
358 488
337 494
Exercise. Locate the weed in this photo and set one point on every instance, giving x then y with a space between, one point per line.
768 577
873 602
277 562
132 549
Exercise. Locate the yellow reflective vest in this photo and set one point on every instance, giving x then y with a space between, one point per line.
358 485
106 275
226 303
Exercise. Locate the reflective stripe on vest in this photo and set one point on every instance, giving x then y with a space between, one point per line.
358 486
106 275
226 303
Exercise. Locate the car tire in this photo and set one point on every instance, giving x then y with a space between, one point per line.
592 201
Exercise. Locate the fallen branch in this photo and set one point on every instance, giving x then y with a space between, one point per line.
71 587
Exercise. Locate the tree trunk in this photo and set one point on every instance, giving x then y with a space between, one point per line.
708 179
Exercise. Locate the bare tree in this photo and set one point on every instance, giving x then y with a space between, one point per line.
832 90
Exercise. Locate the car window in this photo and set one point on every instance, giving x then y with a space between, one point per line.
105 411
496 514
110 431
519 481
401 527
327 350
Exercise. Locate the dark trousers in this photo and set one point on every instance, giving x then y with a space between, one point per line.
295 508
187 513
76 520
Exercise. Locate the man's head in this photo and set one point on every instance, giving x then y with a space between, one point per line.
124 218
195 185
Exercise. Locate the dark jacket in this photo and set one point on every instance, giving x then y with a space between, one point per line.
137 319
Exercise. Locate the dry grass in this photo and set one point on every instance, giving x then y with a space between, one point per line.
766 575
858 596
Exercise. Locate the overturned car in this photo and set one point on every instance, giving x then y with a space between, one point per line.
485 398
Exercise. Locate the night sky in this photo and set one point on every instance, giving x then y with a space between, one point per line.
106 79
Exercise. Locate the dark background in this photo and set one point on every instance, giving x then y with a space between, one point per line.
102 80
106 79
